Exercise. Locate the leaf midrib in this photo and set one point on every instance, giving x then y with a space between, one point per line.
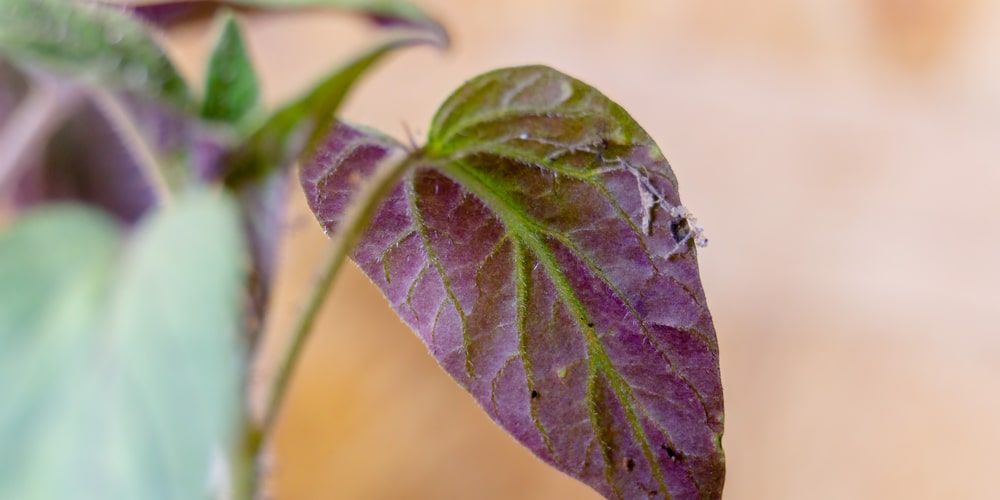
517 221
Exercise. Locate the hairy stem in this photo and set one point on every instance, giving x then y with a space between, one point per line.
351 228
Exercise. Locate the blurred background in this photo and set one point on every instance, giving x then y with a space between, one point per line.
843 157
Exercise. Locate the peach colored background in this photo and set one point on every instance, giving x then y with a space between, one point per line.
843 157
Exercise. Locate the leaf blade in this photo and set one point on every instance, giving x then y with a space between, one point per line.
529 257
103 361
90 42
231 87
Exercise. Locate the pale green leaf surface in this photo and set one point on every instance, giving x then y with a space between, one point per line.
119 359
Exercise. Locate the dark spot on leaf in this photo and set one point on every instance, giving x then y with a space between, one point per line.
654 493
630 464
534 394
590 325
672 453
680 229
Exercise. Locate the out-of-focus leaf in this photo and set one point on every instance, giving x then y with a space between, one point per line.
13 88
86 161
90 42
231 87
26 125
383 12
541 252
119 358
95 160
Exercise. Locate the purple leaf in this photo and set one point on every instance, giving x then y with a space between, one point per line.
384 13
540 250
13 88
89 160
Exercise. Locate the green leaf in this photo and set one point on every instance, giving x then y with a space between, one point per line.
231 87
91 42
119 357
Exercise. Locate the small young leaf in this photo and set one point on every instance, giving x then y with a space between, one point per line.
540 250
119 358
231 88
90 42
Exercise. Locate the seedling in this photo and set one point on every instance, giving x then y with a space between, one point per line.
535 242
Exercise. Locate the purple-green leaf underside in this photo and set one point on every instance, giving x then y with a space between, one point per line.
540 250
389 13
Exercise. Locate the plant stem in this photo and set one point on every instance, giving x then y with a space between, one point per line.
32 123
351 227
135 143
246 462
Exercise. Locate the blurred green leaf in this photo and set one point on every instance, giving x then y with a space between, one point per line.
119 358
92 42
231 87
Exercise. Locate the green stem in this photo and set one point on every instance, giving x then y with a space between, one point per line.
352 226
246 462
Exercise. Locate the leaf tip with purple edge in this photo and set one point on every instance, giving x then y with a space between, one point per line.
539 250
